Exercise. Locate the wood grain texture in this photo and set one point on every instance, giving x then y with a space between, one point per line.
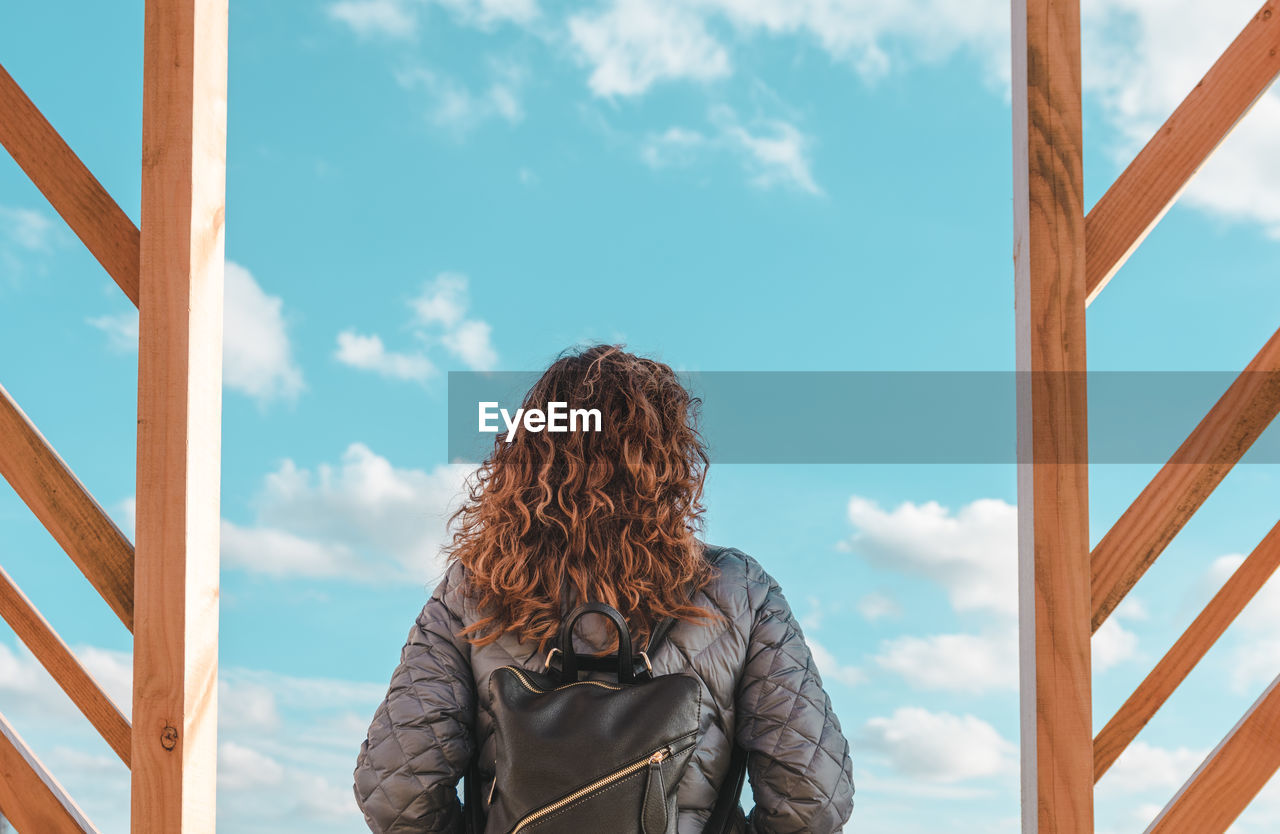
68 185
1145 529
29 797
54 655
1141 195
1231 776
179 411
1186 652
66 509
1053 495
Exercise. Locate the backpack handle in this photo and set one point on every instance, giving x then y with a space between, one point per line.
569 659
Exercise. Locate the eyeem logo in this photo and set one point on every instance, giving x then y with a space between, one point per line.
558 417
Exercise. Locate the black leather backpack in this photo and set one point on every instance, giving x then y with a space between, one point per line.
593 756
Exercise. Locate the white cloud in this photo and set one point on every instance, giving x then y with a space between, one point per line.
369 354
471 342
1142 57
971 553
939 746
293 763
26 229
831 668
634 43
877 606
256 357
485 13
247 704
287 743
439 320
241 767
27 239
362 519
32 699
442 306
674 146
127 514
778 156
773 152
443 301
1255 652
1112 645
398 19
390 18
121 330
1143 767
276 552
965 663
455 107
1133 609
1263 814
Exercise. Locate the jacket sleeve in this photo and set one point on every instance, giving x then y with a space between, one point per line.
421 740
797 757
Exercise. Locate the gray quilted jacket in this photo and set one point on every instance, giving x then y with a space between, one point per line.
755 668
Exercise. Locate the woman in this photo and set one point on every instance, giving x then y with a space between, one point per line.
554 519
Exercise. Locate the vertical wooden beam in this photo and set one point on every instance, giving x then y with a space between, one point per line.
1053 495
179 411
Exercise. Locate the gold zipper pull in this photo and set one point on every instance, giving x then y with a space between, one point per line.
660 755
492 788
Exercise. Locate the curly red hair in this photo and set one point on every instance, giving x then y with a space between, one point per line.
611 514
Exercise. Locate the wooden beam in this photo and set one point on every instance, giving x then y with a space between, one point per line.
1182 485
53 654
179 410
1231 776
1178 662
69 187
29 797
52 491
1053 493
1141 195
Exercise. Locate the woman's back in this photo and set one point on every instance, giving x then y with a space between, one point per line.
760 687
605 513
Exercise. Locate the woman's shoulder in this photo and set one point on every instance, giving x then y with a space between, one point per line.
737 577
450 595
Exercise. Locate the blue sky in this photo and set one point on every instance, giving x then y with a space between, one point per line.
419 186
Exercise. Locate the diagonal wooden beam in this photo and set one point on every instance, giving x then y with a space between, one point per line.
62 664
1182 485
69 186
1178 662
30 798
66 509
1231 776
1141 195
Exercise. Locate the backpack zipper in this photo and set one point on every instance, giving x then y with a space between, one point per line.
654 758
519 673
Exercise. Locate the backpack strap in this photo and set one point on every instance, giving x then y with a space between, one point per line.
644 656
473 813
729 798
